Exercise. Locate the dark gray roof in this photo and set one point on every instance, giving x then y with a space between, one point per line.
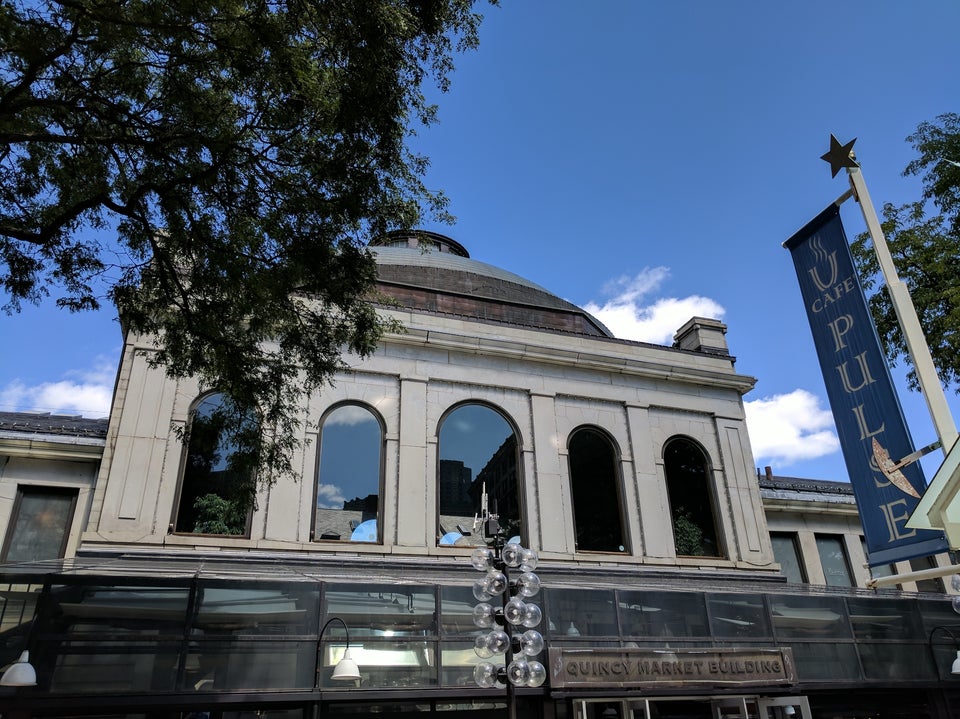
797 484
54 424
428 272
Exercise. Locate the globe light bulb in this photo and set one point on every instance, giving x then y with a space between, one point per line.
515 610
537 675
528 584
484 615
496 582
482 558
531 643
481 646
485 674
518 672
532 616
481 589
528 560
955 603
498 641
510 554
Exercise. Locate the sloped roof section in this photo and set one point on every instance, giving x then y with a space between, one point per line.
428 272
44 423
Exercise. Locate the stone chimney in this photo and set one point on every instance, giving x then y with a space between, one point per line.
700 334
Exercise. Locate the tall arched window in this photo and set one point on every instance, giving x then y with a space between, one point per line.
691 499
218 488
595 487
478 457
348 476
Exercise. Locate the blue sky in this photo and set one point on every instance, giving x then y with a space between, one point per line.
646 160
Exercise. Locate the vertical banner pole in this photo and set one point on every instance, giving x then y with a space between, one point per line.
926 372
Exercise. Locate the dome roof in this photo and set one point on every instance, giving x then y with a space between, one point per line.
428 272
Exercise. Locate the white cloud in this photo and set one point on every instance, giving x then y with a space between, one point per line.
628 317
329 496
784 429
350 415
83 392
787 428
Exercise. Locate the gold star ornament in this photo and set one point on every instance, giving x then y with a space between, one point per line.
839 156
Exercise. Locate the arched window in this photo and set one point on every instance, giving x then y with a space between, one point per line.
348 476
691 499
478 456
218 488
594 483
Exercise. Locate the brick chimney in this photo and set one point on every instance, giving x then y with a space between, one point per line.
700 334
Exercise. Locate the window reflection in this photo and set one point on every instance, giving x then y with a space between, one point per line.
478 453
217 492
663 614
833 559
595 486
572 613
803 616
691 503
787 555
348 483
39 525
738 615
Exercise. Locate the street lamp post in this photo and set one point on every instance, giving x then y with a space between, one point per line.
511 625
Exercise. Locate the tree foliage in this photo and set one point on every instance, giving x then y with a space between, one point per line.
214 169
924 241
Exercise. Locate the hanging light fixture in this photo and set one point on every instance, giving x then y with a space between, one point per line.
950 631
346 669
20 673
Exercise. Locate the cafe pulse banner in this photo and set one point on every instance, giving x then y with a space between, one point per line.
865 406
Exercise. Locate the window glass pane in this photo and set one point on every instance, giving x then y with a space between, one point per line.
808 617
595 483
828 661
881 570
103 666
155 612
40 525
885 619
288 609
458 660
456 610
934 584
18 602
478 452
348 485
896 661
233 664
663 614
580 612
788 557
217 491
691 504
738 615
404 663
937 613
833 559
381 610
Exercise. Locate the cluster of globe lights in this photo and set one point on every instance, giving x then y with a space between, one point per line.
521 669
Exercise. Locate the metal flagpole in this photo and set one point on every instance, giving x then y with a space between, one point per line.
927 378
935 506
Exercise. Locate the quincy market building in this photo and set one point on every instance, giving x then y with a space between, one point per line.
626 466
